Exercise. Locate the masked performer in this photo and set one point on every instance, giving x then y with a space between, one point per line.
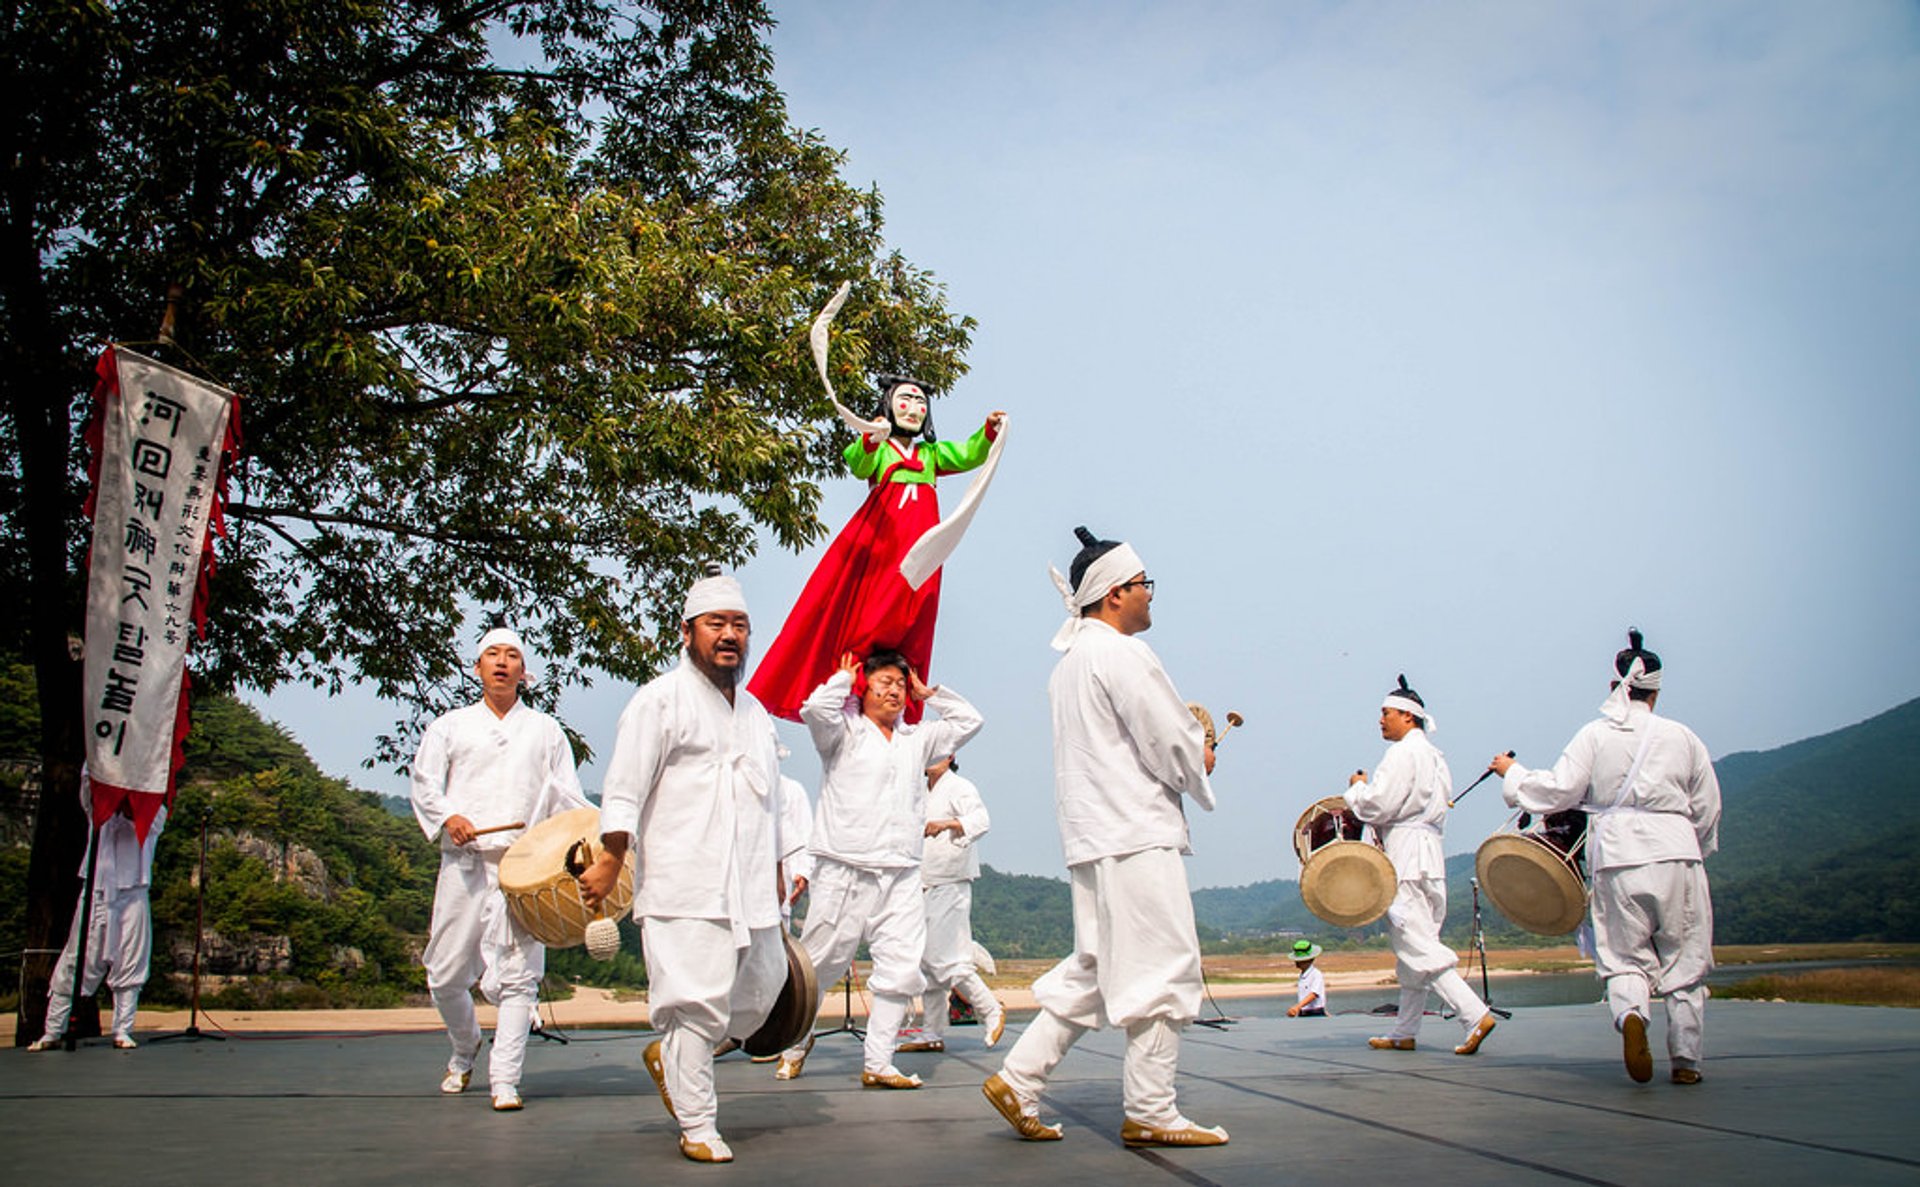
859 598
1407 803
1653 803
494 762
694 782
119 928
866 841
1125 750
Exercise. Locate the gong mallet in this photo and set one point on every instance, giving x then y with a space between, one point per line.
1233 719
1474 784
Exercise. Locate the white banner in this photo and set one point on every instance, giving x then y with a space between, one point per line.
161 435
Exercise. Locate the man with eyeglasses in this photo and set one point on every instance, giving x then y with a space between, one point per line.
1125 750
867 837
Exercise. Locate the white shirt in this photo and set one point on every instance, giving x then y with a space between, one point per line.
492 770
1407 803
1312 983
873 789
694 782
796 829
1125 748
1672 811
947 858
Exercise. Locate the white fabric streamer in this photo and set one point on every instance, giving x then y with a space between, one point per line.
937 543
876 429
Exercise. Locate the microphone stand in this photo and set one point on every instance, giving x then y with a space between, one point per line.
1479 944
193 1030
846 1022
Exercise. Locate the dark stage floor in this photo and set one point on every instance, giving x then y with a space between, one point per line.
1793 1094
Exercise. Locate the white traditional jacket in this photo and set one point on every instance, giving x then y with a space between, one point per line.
1407 802
872 811
948 858
694 781
493 770
1672 811
1125 749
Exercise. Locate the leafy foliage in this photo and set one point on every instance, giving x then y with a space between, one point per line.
516 294
1022 915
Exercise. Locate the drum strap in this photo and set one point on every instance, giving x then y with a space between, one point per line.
1618 802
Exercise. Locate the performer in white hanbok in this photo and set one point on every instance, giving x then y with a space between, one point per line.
1407 804
694 783
493 763
119 928
867 838
956 820
1125 750
1653 805
796 833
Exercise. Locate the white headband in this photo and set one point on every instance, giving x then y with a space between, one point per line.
709 594
1614 708
1419 710
504 637
1114 567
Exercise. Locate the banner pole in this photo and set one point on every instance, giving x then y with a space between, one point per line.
85 924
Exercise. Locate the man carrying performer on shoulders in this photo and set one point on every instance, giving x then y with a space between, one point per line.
694 782
1125 750
495 762
956 820
1407 804
867 839
1653 804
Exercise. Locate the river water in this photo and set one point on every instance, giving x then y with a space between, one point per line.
1511 992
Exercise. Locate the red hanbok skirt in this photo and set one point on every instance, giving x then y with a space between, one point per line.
857 601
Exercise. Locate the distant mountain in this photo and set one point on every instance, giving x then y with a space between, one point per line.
1817 842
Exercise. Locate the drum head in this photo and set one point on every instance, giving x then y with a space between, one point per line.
1530 882
791 1018
1332 805
541 850
1348 883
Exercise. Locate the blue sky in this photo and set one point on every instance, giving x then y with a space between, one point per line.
1446 340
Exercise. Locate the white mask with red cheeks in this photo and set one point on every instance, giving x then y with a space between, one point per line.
909 407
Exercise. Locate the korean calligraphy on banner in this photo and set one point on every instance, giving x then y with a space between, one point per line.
160 440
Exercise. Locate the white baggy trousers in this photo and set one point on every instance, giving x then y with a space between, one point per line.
1135 965
119 945
1422 962
1653 931
701 989
882 908
475 941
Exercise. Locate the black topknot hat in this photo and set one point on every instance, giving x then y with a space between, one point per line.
1407 693
1622 660
1091 550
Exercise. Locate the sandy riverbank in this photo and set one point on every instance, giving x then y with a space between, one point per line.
1227 977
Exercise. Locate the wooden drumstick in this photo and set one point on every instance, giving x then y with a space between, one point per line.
499 828
1474 784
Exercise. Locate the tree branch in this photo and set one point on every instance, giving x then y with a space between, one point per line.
441 536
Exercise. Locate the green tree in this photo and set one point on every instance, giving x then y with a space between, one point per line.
515 293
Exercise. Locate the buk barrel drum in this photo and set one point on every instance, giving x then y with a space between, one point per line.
1534 876
791 1018
542 894
1344 879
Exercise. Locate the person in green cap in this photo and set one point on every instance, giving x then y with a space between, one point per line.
1310 996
